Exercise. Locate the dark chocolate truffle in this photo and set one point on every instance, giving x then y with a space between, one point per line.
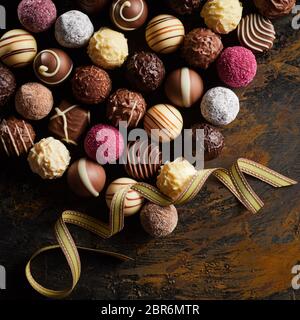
52 66
213 140
201 47
184 6
92 6
16 137
158 221
125 105
91 85
143 160
145 71
69 122
86 178
128 15
7 84
274 8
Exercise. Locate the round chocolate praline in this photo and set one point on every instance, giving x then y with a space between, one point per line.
92 6
7 85
184 7
52 66
145 71
128 15
274 8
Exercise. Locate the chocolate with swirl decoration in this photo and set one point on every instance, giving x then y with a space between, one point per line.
256 33
52 66
129 15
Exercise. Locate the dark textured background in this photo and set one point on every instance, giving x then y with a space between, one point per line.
219 250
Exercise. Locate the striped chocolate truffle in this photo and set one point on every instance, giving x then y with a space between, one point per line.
17 48
143 160
133 201
167 119
256 33
184 87
165 34
86 178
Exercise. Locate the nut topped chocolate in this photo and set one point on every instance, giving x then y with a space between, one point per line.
184 6
7 85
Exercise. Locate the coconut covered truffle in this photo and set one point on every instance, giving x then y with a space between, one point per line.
49 158
158 221
7 85
33 101
73 29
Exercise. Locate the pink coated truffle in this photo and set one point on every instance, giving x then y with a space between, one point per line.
37 15
237 66
104 144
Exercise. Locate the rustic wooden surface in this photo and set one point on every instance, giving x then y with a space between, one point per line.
219 250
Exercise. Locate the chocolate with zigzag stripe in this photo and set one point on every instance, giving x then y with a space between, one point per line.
256 33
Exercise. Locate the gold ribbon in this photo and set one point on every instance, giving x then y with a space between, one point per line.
233 179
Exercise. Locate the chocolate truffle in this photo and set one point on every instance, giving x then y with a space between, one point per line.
86 178
145 71
165 34
49 158
69 122
108 48
91 85
17 48
222 16
73 29
201 47
174 177
213 140
183 7
37 15
220 106
16 137
143 160
256 33
92 6
104 144
133 201
7 85
274 8
33 101
125 105
128 15
158 221
52 66
184 87
166 119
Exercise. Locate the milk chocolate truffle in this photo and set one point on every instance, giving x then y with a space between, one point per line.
174 177
49 158
184 87
7 85
16 137
274 8
143 160
125 105
201 47
33 101
86 178
158 221
91 85
52 66
213 140
92 6
145 71
128 15
69 122
184 7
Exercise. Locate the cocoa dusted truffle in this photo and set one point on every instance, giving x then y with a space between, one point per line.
274 8
16 137
125 105
158 221
213 140
91 85
184 6
145 71
201 47
7 85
